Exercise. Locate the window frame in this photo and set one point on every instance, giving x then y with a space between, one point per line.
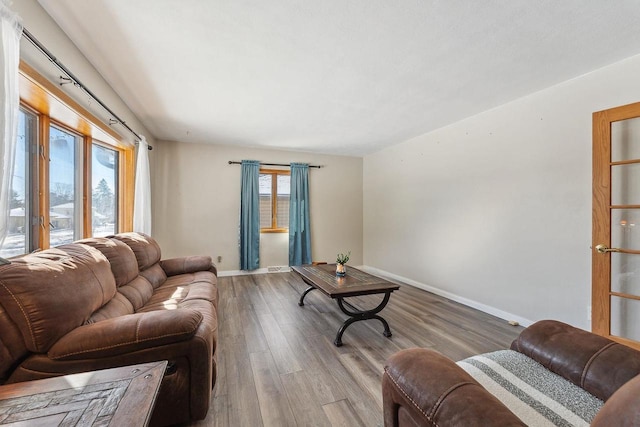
53 107
274 200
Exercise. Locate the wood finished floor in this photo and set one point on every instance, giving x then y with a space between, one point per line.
277 365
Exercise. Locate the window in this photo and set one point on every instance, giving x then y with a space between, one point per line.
104 184
73 177
274 200
65 173
20 237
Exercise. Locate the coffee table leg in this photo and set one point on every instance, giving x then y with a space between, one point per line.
357 315
304 294
338 340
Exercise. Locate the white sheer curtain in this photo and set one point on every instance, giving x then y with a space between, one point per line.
10 33
142 198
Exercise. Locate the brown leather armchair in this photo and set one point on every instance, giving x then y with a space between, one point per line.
423 388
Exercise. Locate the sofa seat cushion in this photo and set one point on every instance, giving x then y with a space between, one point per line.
178 289
126 334
118 306
533 393
188 278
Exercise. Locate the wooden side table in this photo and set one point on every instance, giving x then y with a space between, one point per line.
118 397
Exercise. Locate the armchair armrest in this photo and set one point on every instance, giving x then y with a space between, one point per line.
622 408
421 387
126 334
190 264
595 363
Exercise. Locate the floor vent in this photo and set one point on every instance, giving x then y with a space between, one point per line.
278 269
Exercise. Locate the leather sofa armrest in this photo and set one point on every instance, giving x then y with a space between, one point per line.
126 334
622 408
190 264
421 387
592 362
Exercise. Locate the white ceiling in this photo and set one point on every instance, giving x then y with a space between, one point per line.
336 76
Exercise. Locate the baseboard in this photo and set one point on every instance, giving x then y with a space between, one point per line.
241 272
462 300
273 269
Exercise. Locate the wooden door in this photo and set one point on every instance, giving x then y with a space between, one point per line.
616 224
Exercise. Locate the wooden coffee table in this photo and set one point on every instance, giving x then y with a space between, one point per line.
355 283
115 397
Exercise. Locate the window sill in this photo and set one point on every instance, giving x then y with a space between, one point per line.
274 230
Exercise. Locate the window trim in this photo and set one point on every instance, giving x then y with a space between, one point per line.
54 107
274 200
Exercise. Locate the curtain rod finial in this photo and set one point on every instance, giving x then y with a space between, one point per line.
149 147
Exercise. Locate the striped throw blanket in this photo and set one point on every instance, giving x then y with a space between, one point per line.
534 394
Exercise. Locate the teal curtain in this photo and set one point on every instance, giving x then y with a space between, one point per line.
299 230
249 216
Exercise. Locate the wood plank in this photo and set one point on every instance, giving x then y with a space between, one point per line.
232 323
284 356
221 412
244 408
341 414
364 405
368 379
303 400
323 382
253 334
274 405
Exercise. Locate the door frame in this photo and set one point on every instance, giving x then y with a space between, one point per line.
601 219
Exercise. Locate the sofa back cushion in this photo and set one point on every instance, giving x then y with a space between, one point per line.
145 248
590 361
124 264
155 275
49 293
134 282
147 253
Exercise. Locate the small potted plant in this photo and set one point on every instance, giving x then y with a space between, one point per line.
341 260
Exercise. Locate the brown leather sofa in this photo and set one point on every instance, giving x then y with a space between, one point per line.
106 302
423 388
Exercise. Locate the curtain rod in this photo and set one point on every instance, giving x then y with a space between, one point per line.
233 162
73 79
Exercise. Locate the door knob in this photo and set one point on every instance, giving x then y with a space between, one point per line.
603 249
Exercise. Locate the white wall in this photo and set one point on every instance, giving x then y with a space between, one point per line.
196 202
497 208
